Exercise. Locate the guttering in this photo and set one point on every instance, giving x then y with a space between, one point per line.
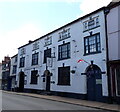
106 11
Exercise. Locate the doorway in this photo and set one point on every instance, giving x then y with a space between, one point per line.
47 75
94 83
21 81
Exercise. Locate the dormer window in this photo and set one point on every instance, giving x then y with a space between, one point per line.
36 46
64 34
48 40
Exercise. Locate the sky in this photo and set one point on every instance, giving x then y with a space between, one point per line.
24 20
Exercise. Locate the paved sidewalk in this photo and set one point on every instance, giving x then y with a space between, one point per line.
99 105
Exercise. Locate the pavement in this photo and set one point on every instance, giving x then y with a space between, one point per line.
94 104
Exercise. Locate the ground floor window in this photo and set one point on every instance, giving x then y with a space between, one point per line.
64 75
34 77
118 80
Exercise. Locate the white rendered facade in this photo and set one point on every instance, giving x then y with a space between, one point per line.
13 71
0 76
76 40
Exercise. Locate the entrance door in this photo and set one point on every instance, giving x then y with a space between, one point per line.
47 83
21 82
94 83
47 74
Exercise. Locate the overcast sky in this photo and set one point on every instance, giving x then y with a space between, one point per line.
24 20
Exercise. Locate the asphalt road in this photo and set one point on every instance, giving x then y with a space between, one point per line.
19 102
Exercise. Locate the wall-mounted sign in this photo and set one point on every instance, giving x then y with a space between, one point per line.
98 81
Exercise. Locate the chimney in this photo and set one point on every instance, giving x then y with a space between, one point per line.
30 41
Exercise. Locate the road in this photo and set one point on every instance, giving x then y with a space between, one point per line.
19 102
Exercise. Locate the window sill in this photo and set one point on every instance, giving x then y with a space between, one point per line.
33 84
64 84
47 45
63 59
91 28
92 53
35 49
21 67
34 65
64 39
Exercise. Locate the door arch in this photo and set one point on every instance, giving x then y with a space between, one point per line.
94 83
47 75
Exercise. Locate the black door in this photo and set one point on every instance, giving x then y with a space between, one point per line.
48 83
47 75
94 84
21 82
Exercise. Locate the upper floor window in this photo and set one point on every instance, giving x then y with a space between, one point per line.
92 44
91 23
47 53
35 59
22 52
22 62
15 59
64 34
34 77
48 40
14 69
36 45
64 51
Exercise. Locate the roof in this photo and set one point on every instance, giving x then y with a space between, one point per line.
102 8
113 4
14 56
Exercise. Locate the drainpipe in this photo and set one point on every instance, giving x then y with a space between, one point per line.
106 11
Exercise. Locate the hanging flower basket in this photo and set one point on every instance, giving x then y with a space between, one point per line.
72 71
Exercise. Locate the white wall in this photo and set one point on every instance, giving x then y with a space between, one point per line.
78 81
0 75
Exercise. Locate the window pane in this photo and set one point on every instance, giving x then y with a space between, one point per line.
47 53
86 41
91 24
118 80
22 61
97 21
99 47
64 51
98 38
35 59
92 44
34 77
